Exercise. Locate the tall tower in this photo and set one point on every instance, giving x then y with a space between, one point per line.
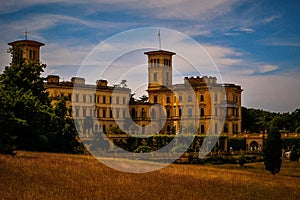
159 68
30 49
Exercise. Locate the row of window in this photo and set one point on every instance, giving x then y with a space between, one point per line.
32 54
190 99
155 62
104 113
100 99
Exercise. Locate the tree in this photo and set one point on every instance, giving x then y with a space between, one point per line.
272 148
25 106
63 137
27 119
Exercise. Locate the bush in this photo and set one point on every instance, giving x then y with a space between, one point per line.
237 143
294 154
143 149
241 160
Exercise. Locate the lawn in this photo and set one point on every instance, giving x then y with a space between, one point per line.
61 176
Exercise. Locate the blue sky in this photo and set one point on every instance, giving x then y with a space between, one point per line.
255 44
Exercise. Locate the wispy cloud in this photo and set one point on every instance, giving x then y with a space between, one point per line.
287 41
271 18
267 68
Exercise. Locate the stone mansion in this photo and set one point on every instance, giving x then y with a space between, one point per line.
198 100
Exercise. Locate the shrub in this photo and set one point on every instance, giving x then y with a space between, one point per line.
143 149
294 154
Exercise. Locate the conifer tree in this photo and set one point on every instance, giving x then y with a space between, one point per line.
272 149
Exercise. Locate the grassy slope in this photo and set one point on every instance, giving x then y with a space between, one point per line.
59 176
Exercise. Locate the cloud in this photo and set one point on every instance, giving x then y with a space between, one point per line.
287 41
271 18
267 68
245 30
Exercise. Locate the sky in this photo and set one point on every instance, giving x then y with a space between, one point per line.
252 43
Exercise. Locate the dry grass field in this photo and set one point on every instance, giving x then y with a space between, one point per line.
60 176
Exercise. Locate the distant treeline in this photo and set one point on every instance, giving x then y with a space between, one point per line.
257 120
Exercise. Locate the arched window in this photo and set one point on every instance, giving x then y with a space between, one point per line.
143 129
190 98
190 112
201 97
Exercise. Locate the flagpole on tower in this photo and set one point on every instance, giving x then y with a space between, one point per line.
159 39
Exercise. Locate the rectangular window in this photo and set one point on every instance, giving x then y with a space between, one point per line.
104 99
168 113
30 54
84 112
201 97
124 100
33 56
110 113
202 129
91 99
76 112
168 100
225 128
117 113
77 97
155 99
110 100
124 114
104 113
117 100
84 98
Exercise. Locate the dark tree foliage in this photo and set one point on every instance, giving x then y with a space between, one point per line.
272 148
27 119
257 120
294 154
23 102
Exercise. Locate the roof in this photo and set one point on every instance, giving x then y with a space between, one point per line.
26 42
159 52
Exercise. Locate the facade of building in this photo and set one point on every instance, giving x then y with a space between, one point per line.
197 104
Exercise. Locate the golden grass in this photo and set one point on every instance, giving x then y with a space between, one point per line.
60 176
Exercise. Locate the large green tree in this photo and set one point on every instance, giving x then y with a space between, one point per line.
27 119
24 104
